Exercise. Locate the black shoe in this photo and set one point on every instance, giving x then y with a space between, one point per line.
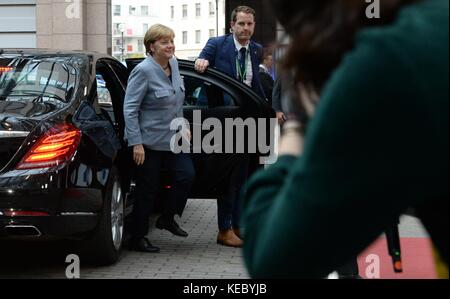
143 245
171 226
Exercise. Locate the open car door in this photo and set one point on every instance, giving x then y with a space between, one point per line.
221 100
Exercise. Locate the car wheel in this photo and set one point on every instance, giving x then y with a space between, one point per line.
105 244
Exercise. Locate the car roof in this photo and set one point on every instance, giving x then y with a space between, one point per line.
51 52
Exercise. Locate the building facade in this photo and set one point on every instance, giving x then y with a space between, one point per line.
115 27
18 23
130 22
118 27
194 22
56 24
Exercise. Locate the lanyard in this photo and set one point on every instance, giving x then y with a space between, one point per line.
242 73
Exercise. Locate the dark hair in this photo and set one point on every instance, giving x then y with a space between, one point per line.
244 9
322 31
266 53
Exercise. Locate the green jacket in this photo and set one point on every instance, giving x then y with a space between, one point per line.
377 145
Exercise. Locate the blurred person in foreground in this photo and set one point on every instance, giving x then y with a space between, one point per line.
376 145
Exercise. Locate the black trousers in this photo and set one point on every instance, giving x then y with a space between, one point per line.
148 178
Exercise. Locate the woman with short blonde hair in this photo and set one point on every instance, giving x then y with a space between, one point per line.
154 98
156 32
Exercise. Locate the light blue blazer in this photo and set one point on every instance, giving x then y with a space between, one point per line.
152 101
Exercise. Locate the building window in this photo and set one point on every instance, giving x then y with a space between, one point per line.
198 36
211 9
185 8
129 48
117 10
144 10
172 12
144 28
116 30
212 32
140 46
132 10
185 37
198 9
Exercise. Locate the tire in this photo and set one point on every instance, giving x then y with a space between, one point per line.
104 246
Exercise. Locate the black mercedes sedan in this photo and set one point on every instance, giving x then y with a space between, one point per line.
65 170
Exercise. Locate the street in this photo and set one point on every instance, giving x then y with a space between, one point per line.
197 256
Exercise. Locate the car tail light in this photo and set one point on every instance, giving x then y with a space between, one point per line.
56 146
5 69
25 214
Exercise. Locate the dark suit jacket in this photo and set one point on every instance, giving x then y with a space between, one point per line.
276 95
221 53
266 83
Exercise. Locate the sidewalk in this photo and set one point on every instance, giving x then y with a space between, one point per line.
197 256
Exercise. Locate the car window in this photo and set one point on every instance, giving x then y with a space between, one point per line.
200 93
48 80
104 96
111 91
120 71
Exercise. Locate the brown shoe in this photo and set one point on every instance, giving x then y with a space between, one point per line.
228 238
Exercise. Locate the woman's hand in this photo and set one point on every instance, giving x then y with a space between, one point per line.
188 135
139 154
